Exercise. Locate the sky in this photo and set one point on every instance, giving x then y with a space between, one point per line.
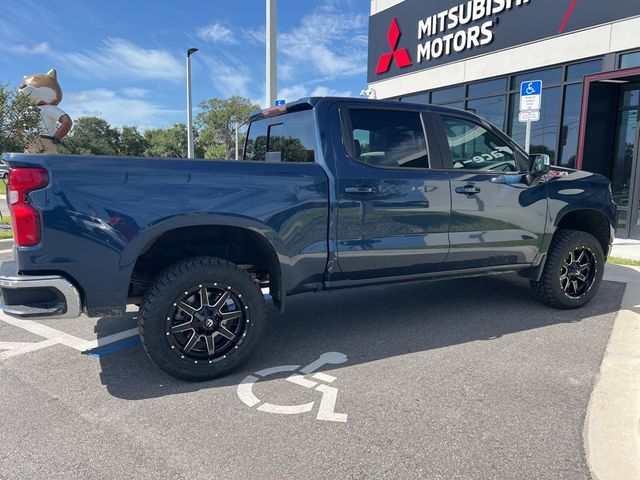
125 60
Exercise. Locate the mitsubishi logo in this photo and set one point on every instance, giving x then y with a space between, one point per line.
401 56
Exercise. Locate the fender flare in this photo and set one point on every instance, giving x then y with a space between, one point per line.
146 237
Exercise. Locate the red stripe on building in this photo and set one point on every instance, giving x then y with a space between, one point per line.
567 16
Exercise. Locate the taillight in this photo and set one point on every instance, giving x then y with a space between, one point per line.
25 218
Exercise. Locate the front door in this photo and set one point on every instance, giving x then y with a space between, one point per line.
393 208
625 181
498 212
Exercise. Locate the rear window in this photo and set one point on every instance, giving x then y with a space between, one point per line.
285 138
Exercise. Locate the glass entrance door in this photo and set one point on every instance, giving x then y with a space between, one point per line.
625 172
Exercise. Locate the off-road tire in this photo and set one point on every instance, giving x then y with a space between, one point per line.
167 290
549 288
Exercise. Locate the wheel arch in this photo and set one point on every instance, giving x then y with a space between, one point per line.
588 220
238 240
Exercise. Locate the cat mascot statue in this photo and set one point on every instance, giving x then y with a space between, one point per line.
45 91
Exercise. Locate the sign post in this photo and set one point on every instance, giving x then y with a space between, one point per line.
530 104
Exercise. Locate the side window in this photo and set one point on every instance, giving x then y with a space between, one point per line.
388 138
285 138
475 148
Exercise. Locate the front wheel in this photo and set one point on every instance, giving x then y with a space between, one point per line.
573 271
202 319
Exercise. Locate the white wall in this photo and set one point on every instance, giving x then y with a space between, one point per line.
612 37
379 5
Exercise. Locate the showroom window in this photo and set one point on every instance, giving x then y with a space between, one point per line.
570 125
490 108
445 95
497 100
630 60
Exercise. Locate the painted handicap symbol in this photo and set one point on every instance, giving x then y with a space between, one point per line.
326 410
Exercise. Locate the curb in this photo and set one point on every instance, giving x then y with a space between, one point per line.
612 425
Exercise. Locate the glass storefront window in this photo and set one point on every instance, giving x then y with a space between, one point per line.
629 60
418 98
621 175
458 105
543 133
579 70
631 98
570 125
491 109
447 94
482 89
550 76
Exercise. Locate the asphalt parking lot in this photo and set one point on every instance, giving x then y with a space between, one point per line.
458 379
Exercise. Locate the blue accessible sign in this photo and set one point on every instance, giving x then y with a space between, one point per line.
530 95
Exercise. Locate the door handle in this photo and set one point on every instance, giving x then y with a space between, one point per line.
468 190
360 189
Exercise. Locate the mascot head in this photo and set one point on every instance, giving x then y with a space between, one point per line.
42 88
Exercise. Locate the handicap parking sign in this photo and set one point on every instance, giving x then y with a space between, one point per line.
531 88
530 95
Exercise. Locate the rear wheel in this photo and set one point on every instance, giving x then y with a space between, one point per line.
573 271
202 319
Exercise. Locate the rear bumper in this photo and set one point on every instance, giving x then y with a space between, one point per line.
37 296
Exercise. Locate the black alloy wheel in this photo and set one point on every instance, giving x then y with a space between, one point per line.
578 272
207 323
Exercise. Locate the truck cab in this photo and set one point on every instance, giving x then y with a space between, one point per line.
331 193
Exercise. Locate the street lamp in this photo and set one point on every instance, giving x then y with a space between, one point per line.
191 153
272 54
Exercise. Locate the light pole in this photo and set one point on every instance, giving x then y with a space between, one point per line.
272 54
191 153
237 150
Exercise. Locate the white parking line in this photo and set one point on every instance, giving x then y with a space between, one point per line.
116 337
54 337
19 348
49 333
7 251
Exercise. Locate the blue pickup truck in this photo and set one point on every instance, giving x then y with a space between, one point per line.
332 193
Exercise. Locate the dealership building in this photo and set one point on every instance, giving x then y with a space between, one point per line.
474 55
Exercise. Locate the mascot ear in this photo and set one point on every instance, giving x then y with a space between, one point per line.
52 73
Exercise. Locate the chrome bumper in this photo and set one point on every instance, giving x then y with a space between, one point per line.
39 296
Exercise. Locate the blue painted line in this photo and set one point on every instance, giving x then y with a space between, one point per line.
114 347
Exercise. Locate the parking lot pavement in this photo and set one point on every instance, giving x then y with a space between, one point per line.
6 250
459 379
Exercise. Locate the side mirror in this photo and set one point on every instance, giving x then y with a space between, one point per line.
539 164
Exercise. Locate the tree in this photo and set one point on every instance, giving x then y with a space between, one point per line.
216 123
216 151
167 142
19 120
91 136
131 143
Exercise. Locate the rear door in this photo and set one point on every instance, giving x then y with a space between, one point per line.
393 206
498 212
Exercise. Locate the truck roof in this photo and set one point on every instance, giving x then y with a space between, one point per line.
308 103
